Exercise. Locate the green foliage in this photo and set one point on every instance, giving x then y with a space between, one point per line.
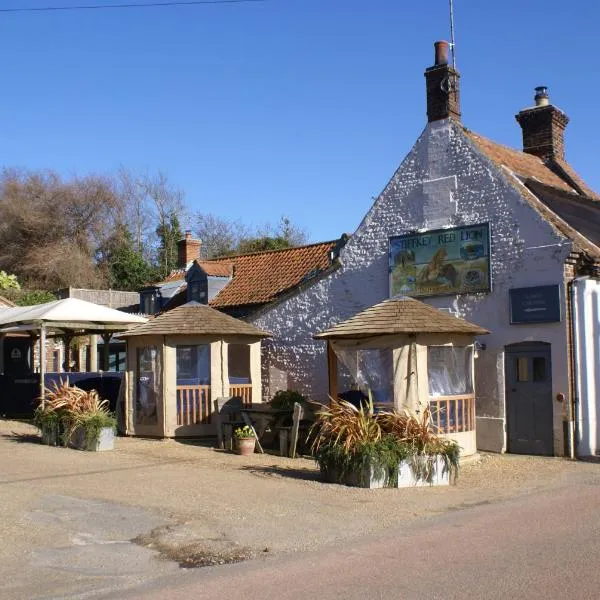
285 399
262 244
72 408
8 281
93 423
169 233
348 439
32 297
127 269
244 432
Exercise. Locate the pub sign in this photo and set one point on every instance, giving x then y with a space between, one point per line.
441 261
539 304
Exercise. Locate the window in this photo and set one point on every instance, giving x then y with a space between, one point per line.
539 368
238 356
150 302
148 385
450 370
197 292
193 365
522 368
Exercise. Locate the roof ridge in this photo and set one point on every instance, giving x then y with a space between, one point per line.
233 256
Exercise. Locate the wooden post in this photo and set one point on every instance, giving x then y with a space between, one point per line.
106 351
93 354
67 338
332 369
42 364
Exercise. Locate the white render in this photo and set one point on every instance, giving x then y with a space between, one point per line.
445 180
586 317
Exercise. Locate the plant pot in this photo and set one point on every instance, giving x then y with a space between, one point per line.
428 471
245 446
331 474
50 435
366 478
104 441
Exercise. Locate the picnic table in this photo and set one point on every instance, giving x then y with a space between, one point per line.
263 418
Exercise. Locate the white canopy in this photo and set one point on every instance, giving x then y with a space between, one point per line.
68 315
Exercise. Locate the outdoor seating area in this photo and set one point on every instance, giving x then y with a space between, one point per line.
405 354
180 362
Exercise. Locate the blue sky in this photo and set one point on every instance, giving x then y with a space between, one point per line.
295 107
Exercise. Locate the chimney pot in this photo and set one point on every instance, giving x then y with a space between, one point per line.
541 96
543 127
442 87
441 53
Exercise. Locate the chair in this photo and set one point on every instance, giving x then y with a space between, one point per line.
227 417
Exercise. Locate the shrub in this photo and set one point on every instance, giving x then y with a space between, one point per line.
71 407
285 399
347 438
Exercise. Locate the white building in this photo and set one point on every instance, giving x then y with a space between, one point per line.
507 239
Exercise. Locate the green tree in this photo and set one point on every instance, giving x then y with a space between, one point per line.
31 297
126 267
169 233
262 244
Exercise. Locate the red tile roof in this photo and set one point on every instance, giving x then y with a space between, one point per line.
260 277
521 163
545 182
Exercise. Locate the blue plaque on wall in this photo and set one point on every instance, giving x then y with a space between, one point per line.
539 304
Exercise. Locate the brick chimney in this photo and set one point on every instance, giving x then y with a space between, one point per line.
443 98
188 249
543 127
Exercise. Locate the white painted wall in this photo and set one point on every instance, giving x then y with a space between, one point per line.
445 180
586 320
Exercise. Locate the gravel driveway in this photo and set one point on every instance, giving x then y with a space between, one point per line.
78 524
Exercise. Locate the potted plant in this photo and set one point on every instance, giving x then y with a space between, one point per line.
245 440
81 417
364 448
48 421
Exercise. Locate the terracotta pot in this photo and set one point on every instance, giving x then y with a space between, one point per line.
245 446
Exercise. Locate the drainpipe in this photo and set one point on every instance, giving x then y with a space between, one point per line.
573 409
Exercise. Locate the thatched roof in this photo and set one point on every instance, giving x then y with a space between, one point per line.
396 316
196 319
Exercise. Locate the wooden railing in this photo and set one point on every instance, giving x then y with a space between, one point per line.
193 404
243 391
453 414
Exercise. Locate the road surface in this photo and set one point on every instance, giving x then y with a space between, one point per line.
542 545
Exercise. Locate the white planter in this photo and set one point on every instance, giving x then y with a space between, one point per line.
366 478
104 441
50 435
440 475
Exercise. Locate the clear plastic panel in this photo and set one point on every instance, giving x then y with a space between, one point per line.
367 370
450 370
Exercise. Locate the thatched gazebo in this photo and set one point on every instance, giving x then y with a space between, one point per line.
409 354
179 362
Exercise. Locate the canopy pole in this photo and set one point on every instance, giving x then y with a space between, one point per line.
42 365
332 369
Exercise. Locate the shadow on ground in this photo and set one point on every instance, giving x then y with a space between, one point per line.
277 471
22 438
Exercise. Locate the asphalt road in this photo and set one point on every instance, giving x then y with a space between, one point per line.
542 545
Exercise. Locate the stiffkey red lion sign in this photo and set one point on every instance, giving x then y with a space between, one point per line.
442 261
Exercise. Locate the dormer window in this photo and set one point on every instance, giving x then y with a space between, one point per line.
197 292
150 301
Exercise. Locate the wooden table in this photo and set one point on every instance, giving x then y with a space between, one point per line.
262 417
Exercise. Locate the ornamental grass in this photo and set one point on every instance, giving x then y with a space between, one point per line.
346 437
